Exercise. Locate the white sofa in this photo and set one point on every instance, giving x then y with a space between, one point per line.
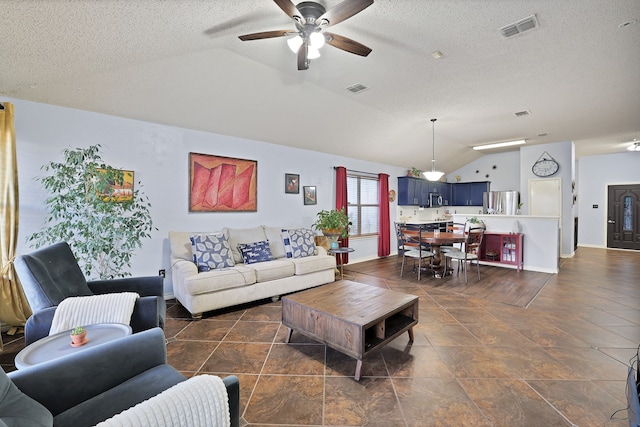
210 290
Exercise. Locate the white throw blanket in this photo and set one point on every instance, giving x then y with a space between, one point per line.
82 311
201 401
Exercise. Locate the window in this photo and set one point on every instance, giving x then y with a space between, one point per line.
362 196
627 216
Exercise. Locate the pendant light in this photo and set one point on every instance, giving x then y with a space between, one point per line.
434 175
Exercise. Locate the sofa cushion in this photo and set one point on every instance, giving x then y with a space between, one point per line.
301 242
274 237
273 270
255 252
211 251
311 264
220 279
243 235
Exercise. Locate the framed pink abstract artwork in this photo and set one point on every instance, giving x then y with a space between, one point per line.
222 184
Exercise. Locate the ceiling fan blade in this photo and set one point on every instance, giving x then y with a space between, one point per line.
290 9
346 44
303 53
342 11
266 35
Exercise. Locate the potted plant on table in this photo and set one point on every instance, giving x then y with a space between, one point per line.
78 336
333 224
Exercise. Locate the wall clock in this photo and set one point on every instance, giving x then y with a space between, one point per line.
545 166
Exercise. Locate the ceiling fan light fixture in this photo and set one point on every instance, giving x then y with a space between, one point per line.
313 53
317 40
294 43
634 147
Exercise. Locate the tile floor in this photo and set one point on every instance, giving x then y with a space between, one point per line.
560 362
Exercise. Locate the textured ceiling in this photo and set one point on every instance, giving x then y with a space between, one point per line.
181 63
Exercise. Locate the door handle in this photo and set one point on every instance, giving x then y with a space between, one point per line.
610 221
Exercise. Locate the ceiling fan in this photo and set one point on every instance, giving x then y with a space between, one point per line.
311 19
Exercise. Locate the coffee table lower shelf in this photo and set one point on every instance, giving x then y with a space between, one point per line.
352 318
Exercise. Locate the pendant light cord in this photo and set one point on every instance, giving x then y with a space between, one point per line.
433 145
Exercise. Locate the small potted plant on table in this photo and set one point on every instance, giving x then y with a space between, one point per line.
333 224
78 336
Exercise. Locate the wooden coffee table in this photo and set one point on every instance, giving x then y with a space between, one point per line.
351 317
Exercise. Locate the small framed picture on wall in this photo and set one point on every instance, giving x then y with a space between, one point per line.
309 194
291 183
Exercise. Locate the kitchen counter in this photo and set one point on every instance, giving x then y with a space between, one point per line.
420 222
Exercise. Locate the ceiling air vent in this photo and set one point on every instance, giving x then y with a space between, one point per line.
522 113
357 88
526 24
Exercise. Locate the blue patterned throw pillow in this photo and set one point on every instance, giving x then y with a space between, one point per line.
255 252
286 239
301 243
211 251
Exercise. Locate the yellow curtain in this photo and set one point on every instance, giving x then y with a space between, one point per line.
14 308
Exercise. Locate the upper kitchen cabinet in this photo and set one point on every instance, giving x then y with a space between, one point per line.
413 191
410 191
469 193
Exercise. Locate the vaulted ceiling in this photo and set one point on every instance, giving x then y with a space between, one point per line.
180 63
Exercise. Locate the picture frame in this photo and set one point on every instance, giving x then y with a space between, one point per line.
291 183
309 195
122 192
222 184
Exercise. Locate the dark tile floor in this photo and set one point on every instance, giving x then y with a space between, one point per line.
559 362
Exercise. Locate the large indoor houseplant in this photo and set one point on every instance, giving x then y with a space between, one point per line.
333 222
102 227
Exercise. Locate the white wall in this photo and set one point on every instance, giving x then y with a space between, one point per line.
592 175
505 176
513 172
564 154
595 174
159 157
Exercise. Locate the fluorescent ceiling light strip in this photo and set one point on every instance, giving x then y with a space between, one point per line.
499 144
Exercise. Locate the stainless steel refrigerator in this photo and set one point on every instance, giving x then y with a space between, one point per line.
501 202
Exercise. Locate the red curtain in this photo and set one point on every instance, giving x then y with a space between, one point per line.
384 244
341 202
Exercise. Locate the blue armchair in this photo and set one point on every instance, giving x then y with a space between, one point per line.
95 384
51 274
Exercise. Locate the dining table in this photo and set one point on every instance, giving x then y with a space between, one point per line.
437 239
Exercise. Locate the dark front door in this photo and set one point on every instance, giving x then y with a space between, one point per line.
623 219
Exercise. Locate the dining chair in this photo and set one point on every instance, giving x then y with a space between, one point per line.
412 247
470 251
458 228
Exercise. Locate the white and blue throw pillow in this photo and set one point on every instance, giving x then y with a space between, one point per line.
255 252
211 251
299 243
286 240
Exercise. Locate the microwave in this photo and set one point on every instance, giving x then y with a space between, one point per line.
435 200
